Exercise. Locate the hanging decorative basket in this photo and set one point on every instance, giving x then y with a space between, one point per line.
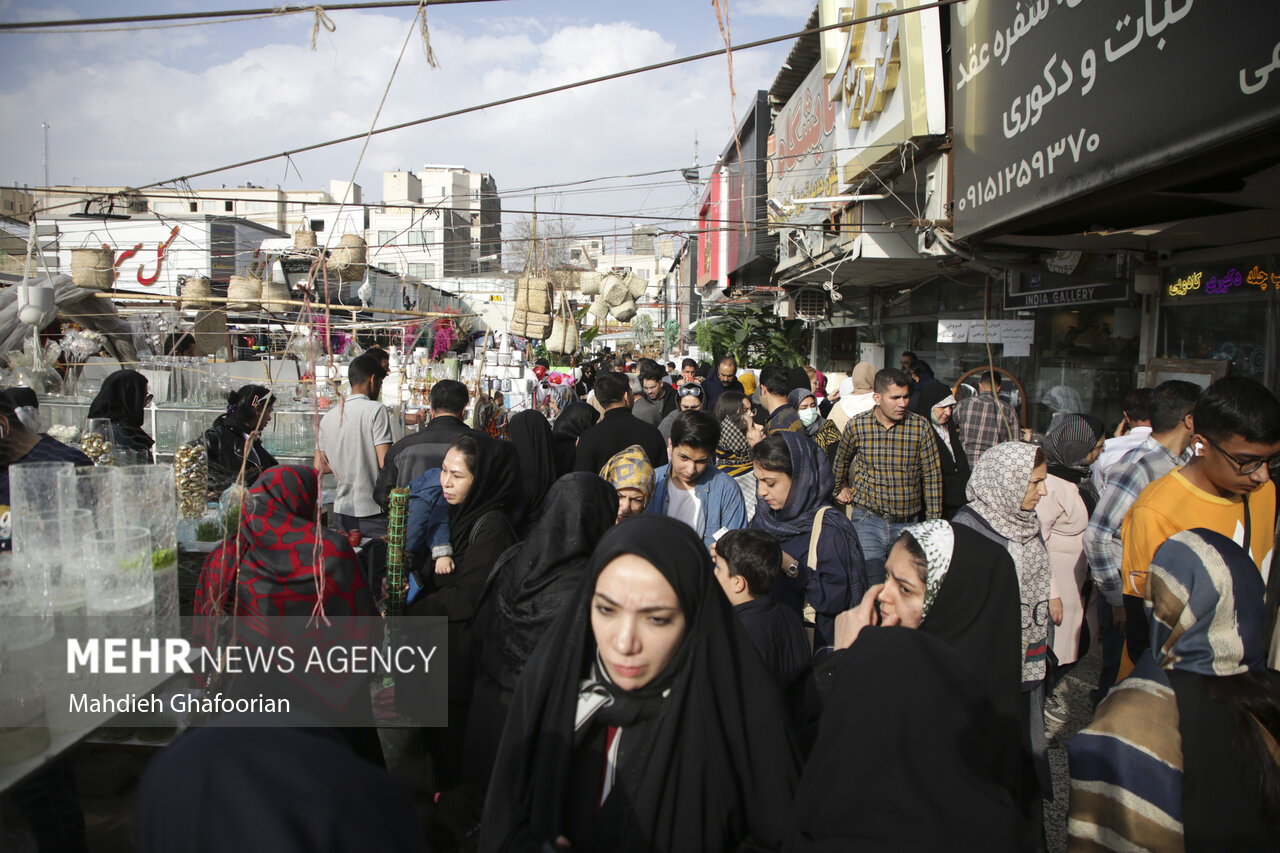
625 311
637 285
275 296
599 309
589 283
538 326
244 293
564 336
348 260
304 239
93 269
534 295
614 290
196 292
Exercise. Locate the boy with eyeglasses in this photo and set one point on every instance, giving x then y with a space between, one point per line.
1226 487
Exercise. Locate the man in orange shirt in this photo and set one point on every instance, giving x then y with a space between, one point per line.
1226 487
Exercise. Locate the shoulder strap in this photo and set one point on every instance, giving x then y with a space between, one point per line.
475 531
814 535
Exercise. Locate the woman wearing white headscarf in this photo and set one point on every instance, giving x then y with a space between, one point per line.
855 395
1007 483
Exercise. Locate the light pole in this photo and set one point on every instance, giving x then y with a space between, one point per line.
45 126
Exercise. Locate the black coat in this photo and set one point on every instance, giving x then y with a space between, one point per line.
416 454
618 430
777 632
224 442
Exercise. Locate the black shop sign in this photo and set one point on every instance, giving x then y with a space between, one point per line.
1062 297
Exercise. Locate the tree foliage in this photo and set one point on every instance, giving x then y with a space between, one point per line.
550 251
754 336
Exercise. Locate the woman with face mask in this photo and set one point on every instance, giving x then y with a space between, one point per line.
645 720
935 402
824 433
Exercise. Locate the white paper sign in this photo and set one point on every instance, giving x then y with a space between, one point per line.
1017 335
983 332
953 331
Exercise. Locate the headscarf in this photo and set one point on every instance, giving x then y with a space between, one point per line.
932 394
1205 606
975 608
630 469
820 379
748 380
811 487
123 400
795 398
996 490
1068 441
937 539
922 753
535 580
573 420
278 576
733 452
495 488
1062 400
714 764
530 433
863 378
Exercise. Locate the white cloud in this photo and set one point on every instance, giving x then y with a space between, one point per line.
133 117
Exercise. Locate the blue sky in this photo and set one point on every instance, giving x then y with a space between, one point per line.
135 107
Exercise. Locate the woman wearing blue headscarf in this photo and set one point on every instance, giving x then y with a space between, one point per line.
822 560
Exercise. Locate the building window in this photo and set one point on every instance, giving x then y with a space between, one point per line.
418 238
386 238
317 225
8 205
422 271
229 206
169 207
193 206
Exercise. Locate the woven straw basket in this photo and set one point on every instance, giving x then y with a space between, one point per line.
93 269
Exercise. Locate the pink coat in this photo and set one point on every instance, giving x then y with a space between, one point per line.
1063 521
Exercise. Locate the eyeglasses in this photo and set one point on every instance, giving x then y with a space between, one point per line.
690 391
1244 466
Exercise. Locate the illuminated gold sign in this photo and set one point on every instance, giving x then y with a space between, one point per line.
869 67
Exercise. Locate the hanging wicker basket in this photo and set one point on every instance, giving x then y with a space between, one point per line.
533 295
589 283
275 296
637 285
93 269
304 239
244 293
614 290
599 308
625 312
196 292
564 336
349 259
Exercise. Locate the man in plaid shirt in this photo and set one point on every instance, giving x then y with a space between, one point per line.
887 470
1170 411
984 420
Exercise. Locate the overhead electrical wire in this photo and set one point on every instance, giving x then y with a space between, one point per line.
14 26
670 63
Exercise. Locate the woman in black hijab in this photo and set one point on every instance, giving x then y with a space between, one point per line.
573 420
645 720
530 586
480 481
910 766
123 399
934 402
530 432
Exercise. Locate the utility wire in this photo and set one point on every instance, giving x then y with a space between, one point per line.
237 13
657 66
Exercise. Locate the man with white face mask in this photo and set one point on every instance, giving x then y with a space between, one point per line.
936 403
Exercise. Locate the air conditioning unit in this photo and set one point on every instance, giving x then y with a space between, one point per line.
809 305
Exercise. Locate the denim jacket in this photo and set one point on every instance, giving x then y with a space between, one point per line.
719 497
428 521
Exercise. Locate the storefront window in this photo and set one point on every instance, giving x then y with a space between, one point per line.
1223 311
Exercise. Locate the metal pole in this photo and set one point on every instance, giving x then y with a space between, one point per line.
45 126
